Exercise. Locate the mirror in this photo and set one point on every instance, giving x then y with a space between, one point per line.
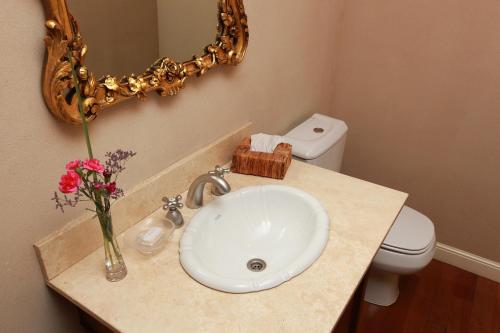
125 36
121 49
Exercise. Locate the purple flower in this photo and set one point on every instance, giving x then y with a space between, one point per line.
115 162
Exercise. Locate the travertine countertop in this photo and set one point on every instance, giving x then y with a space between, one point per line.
158 296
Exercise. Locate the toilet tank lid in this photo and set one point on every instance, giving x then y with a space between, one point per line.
315 136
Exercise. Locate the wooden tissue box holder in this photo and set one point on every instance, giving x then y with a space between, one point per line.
271 165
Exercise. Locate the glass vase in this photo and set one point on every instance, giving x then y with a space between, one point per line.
113 261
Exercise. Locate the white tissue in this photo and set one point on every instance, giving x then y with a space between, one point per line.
265 143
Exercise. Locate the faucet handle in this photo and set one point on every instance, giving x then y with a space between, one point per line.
172 203
220 171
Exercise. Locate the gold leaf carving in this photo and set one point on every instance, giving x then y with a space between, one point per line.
165 76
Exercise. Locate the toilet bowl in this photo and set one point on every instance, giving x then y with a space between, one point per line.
410 244
409 247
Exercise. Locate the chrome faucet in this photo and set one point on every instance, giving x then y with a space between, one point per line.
194 198
220 171
172 206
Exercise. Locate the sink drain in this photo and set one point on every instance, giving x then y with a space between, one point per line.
256 265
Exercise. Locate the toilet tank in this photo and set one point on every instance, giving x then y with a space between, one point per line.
320 140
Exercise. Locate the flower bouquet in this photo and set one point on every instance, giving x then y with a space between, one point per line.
89 180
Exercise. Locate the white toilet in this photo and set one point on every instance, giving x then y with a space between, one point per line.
411 242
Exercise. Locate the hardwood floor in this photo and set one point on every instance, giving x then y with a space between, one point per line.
439 299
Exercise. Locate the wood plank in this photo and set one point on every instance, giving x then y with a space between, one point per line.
453 302
496 311
483 310
439 299
425 288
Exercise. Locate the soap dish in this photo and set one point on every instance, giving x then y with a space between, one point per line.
149 236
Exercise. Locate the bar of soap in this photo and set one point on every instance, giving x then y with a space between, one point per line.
150 237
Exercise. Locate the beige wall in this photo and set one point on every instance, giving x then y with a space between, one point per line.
185 27
277 86
418 82
122 35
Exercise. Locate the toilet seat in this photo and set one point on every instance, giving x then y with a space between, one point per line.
412 233
402 263
405 251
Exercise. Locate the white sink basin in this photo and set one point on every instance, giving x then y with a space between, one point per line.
283 227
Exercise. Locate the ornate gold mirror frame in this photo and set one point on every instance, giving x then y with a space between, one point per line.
165 76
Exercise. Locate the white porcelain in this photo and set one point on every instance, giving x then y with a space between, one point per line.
410 244
284 226
382 287
403 263
412 233
315 136
416 243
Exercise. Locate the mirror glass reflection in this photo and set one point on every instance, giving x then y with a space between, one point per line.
127 36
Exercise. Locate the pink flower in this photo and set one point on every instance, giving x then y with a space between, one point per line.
69 182
111 187
93 165
72 165
99 186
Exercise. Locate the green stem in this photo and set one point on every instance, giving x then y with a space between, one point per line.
107 232
108 251
115 250
80 105
87 194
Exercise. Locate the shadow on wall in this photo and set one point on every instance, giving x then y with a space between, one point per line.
418 84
